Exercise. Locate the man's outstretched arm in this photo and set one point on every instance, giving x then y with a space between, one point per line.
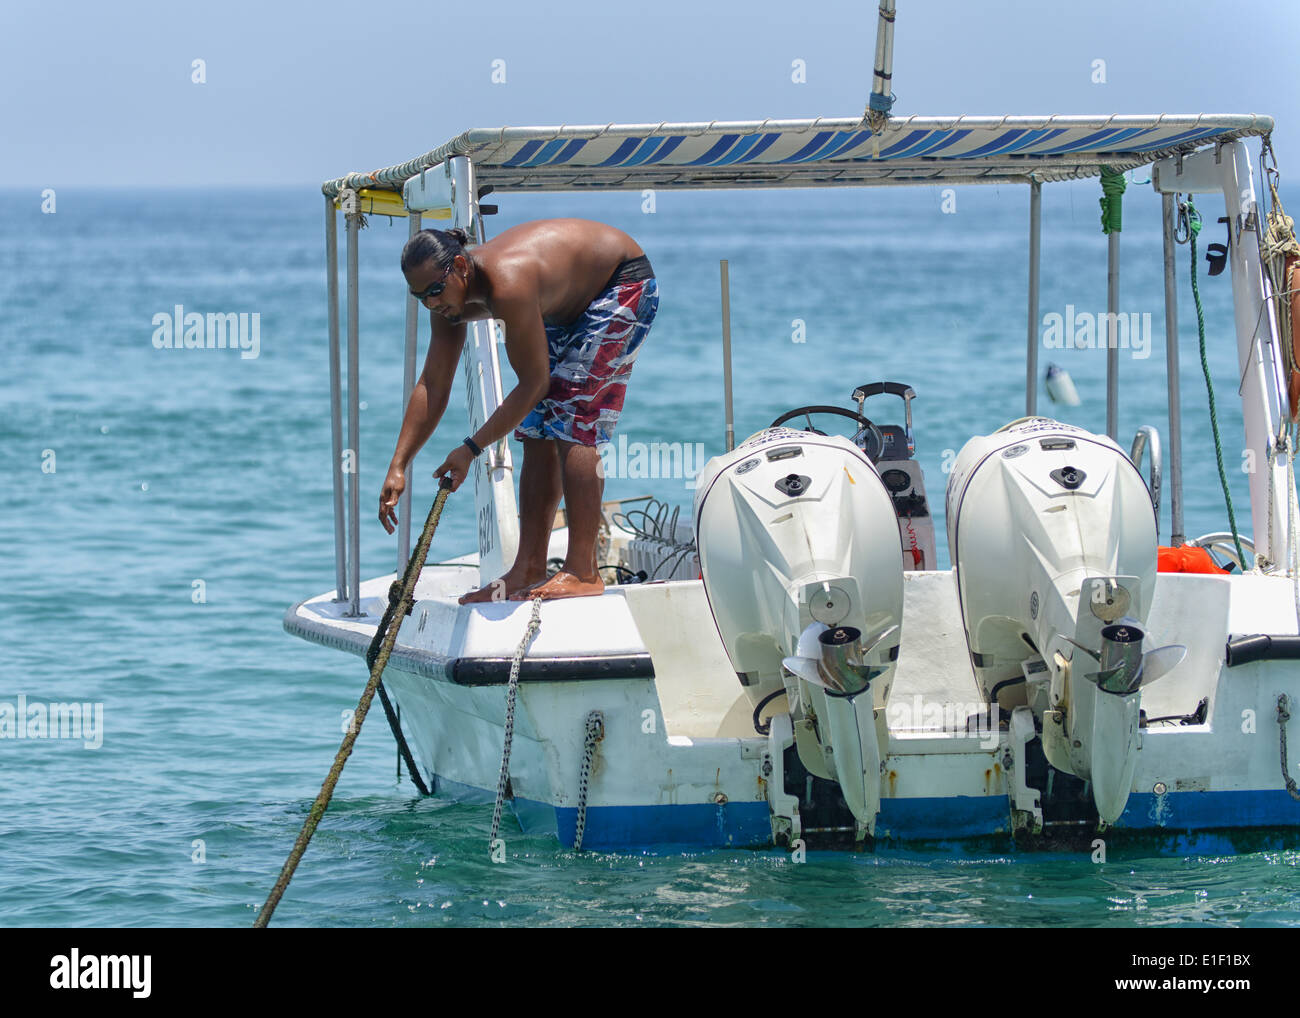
428 403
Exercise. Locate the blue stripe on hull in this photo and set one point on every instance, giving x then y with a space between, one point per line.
962 816
1175 823
701 825
1190 811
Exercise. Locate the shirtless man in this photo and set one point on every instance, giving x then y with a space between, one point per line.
577 299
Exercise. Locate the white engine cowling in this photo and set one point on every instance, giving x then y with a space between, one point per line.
1053 535
798 545
795 528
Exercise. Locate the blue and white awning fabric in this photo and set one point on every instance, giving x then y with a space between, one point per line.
816 153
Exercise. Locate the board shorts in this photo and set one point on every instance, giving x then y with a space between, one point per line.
591 360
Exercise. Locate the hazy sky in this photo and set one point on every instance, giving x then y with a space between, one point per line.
102 93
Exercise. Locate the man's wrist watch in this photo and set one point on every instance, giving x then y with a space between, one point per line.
470 444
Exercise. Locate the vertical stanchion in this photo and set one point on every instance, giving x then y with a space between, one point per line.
354 419
1177 537
1035 236
726 353
336 397
1112 335
408 386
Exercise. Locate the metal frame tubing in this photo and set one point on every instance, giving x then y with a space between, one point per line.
1035 249
1112 335
1176 537
354 419
408 386
336 398
726 354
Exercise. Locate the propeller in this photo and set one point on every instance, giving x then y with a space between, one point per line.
1124 668
834 659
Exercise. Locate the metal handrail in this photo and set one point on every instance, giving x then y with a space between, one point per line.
1149 436
1224 542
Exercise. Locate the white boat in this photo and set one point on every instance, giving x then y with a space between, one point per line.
794 669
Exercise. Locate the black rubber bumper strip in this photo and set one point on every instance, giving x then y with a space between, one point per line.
1242 650
475 671
491 671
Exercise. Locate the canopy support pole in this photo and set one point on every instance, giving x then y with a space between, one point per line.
1112 335
495 504
1035 241
882 77
726 353
354 418
336 397
1177 537
414 219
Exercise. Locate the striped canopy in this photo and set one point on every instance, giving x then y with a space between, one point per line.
816 153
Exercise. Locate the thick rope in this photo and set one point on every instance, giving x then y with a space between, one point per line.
1275 246
386 638
1283 716
534 624
595 731
1194 228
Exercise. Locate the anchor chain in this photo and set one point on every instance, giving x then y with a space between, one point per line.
534 624
1283 716
595 732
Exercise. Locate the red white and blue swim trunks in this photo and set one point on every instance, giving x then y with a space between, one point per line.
591 360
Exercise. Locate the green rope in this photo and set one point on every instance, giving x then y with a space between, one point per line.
1112 200
1194 228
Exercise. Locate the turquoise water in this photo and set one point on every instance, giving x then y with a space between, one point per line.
164 507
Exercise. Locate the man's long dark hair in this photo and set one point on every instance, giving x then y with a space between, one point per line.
439 246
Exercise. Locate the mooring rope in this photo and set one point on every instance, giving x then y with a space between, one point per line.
385 639
512 689
595 731
1275 246
1283 716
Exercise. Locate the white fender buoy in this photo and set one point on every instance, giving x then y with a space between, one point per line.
1060 386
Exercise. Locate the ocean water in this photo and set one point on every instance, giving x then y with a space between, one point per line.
163 507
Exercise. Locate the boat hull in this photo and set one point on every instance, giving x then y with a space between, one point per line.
655 784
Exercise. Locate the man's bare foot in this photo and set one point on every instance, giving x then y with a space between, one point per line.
503 588
562 584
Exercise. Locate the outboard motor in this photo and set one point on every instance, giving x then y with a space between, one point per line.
799 553
1053 535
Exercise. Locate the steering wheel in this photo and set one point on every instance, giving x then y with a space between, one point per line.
873 441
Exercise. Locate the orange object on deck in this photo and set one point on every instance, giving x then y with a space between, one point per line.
1187 559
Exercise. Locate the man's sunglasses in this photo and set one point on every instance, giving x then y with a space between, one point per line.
435 288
